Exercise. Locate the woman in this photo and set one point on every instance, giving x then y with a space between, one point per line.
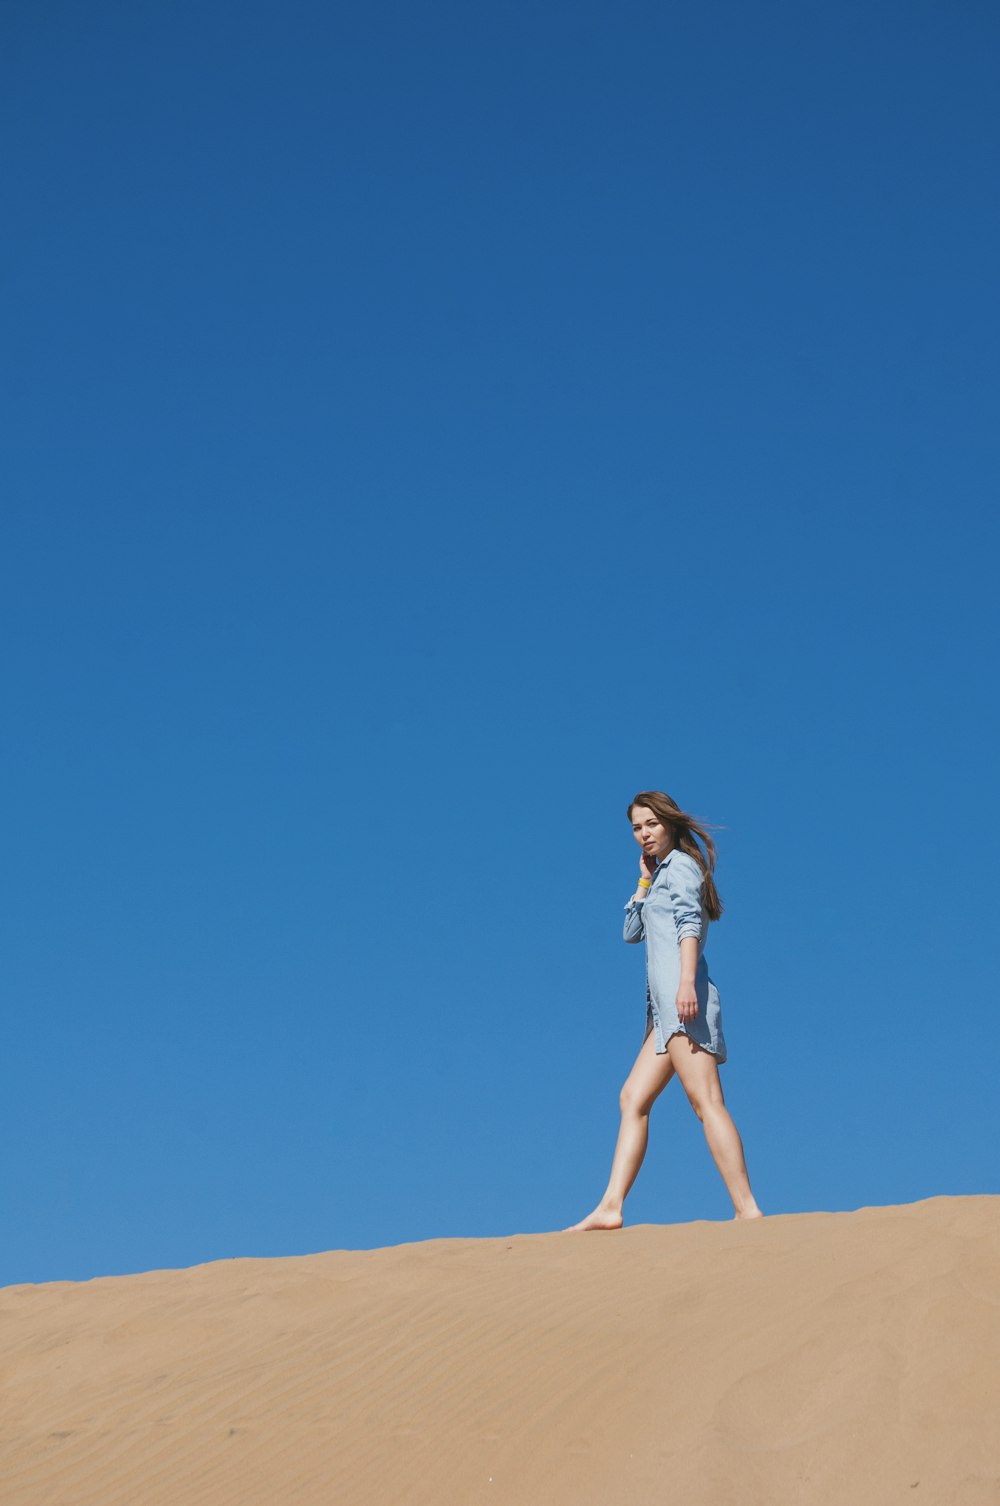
675 899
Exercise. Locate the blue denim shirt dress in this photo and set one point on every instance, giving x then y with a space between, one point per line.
671 910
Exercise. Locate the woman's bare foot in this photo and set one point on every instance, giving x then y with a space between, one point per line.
601 1218
752 1212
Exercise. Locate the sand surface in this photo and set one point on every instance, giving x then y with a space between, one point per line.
847 1358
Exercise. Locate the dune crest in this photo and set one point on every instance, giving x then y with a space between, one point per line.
812 1358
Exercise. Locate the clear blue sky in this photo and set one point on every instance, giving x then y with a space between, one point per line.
424 426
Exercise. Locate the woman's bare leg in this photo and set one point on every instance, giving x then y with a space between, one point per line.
699 1075
643 1086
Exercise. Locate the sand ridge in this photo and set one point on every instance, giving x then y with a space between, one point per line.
815 1358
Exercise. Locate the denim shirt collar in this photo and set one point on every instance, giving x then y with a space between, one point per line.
662 864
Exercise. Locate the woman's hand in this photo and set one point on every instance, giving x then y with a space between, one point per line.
647 867
687 1002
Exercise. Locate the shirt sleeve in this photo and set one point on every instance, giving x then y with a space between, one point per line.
684 880
634 928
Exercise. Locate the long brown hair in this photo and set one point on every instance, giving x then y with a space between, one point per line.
687 833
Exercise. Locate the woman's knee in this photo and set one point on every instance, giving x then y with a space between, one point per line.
632 1101
704 1098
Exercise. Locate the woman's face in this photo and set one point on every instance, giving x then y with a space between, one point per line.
650 833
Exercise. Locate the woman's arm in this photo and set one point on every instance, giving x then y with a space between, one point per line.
634 929
687 999
684 880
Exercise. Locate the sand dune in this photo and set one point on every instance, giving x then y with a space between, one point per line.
819 1358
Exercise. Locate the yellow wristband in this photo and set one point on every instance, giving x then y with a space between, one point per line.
644 883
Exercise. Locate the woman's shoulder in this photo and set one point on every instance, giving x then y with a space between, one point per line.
683 865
